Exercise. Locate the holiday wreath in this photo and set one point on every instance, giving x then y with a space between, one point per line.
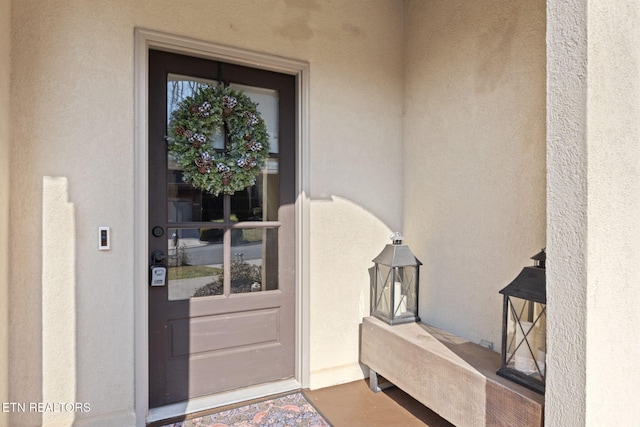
195 122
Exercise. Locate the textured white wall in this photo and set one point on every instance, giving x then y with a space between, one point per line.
340 291
613 148
58 300
567 212
594 205
72 112
5 141
474 144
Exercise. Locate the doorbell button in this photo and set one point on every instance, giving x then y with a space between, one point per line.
104 238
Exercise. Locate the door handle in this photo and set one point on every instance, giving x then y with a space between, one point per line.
157 257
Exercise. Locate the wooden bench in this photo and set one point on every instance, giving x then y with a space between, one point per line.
453 377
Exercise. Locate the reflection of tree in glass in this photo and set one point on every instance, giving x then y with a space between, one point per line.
179 257
243 276
179 90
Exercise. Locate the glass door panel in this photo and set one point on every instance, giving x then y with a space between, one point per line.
195 262
185 203
268 103
255 254
178 88
260 201
197 256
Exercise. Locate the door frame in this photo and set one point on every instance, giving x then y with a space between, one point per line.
145 40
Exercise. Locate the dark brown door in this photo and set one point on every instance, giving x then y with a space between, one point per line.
225 318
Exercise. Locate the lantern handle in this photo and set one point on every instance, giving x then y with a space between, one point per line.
397 238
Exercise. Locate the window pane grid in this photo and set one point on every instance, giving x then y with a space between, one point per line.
228 241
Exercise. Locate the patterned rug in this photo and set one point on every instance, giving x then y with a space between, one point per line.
292 410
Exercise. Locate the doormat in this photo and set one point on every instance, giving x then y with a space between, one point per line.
292 410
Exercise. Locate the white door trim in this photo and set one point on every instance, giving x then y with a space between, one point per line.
145 39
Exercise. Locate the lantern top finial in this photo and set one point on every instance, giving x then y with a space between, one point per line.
540 258
397 238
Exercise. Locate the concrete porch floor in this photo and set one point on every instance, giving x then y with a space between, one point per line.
355 405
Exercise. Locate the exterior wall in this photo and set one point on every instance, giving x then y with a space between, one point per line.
474 147
5 139
474 181
567 212
72 105
72 91
594 204
613 295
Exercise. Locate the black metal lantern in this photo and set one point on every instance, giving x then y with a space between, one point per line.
394 284
524 324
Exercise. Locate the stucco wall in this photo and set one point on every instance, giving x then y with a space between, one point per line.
567 212
594 205
72 104
613 295
5 62
73 93
474 146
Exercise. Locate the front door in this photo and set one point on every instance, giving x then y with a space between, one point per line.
225 317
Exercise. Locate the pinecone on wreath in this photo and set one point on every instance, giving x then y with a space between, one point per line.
226 177
252 119
249 163
228 102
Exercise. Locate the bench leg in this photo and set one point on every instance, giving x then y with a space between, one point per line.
373 382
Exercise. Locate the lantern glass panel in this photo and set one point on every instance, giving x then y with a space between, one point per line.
526 337
382 302
406 287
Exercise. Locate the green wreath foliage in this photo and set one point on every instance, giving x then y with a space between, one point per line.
195 122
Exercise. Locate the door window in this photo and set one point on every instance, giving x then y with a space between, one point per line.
196 258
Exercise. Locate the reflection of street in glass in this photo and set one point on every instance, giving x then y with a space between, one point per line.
195 268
